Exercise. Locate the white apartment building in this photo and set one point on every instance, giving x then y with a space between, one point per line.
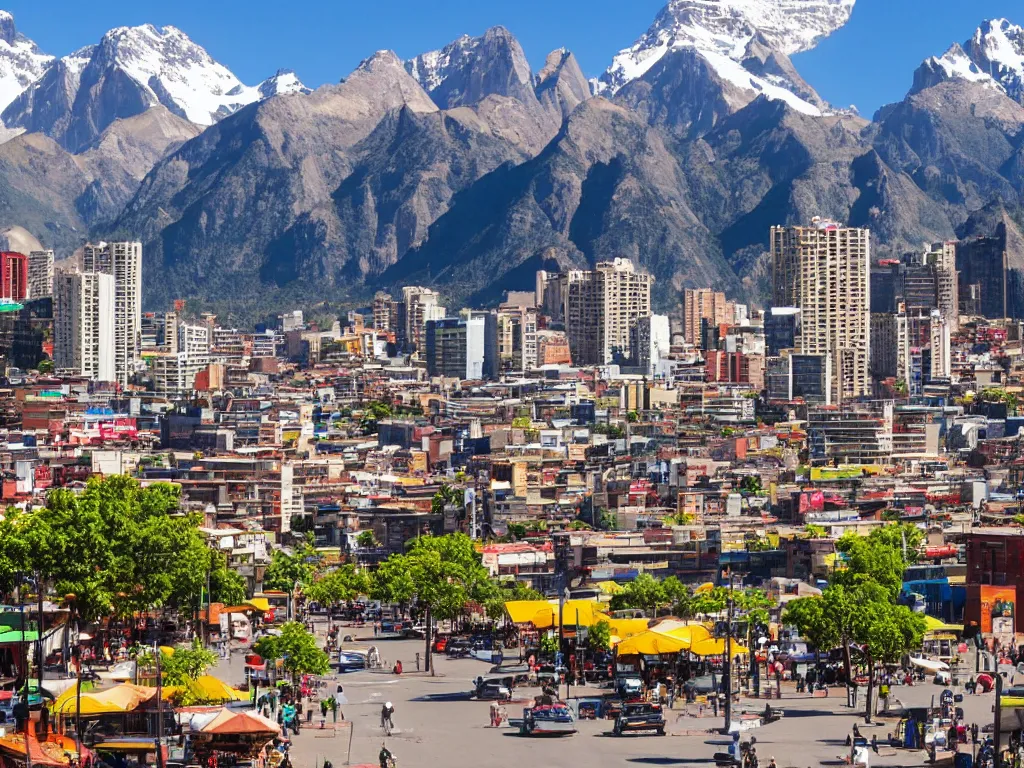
601 306
123 260
40 274
418 306
824 270
83 325
174 372
517 338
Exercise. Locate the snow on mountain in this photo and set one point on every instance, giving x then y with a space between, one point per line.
431 69
176 72
284 82
721 31
21 61
994 56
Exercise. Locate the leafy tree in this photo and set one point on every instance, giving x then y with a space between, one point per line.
751 484
508 591
447 495
815 531
599 636
675 591
443 573
644 592
878 557
366 540
45 367
226 586
285 570
186 664
338 586
632 417
297 648
679 518
375 411
517 530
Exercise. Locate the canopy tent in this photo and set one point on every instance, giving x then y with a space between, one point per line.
228 722
704 588
930 665
651 643
628 627
543 614
117 700
207 688
712 646
609 587
932 624
260 604
689 631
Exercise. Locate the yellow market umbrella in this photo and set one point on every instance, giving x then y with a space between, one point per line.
627 627
716 647
217 690
536 612
166 650
703 588
690 633
651 643
610 587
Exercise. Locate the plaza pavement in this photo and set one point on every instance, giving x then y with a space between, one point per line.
435 727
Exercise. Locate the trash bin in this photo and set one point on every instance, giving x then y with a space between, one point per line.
963 760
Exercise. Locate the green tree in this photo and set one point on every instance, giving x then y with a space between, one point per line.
751 484
443 573
297 648
644 592
815 531
186 664
226 586
338 586
374 412
287 569
45 367
366 540
447 495
599 636
505 592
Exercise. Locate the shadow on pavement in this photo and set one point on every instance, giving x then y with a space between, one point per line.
672 761
443 697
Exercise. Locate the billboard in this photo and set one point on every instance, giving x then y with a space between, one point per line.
998 610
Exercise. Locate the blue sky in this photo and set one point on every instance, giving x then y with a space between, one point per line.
868 63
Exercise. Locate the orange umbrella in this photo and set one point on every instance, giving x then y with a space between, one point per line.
228 722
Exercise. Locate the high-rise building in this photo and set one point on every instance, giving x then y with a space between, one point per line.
385 312
418 306
517 337
548 295
601 304
40 274
781 329
123 260
705 304
462 347
13 275
824 271
651 340
83 325
986 286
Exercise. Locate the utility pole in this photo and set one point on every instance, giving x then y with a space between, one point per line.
159 711
727 670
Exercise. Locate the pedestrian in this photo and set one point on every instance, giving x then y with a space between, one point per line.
974 733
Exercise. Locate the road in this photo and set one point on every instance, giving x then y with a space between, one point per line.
436 727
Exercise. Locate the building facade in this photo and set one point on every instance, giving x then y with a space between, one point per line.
40 274
462 347
13 275
83 331
601 305
704 304
824 271
123 260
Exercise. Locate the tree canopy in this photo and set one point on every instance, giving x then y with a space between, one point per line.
115 547
297 649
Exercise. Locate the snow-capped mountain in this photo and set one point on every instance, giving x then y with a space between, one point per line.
721 31
994 56
129 71
21 61
467 70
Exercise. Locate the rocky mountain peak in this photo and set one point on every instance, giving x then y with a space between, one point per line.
8 33
993 55
21 61
725 28
469 69
561 84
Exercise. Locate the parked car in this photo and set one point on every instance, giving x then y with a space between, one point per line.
640 717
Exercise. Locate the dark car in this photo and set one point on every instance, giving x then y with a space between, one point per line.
640 717
458 647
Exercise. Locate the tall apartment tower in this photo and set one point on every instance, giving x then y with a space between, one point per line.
13 275
824 271
943 257
83 325
704 304
40 274
418 306
123 260
601 305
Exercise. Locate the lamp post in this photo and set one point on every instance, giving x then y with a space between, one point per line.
727 667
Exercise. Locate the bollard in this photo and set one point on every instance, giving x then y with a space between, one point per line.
417 661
